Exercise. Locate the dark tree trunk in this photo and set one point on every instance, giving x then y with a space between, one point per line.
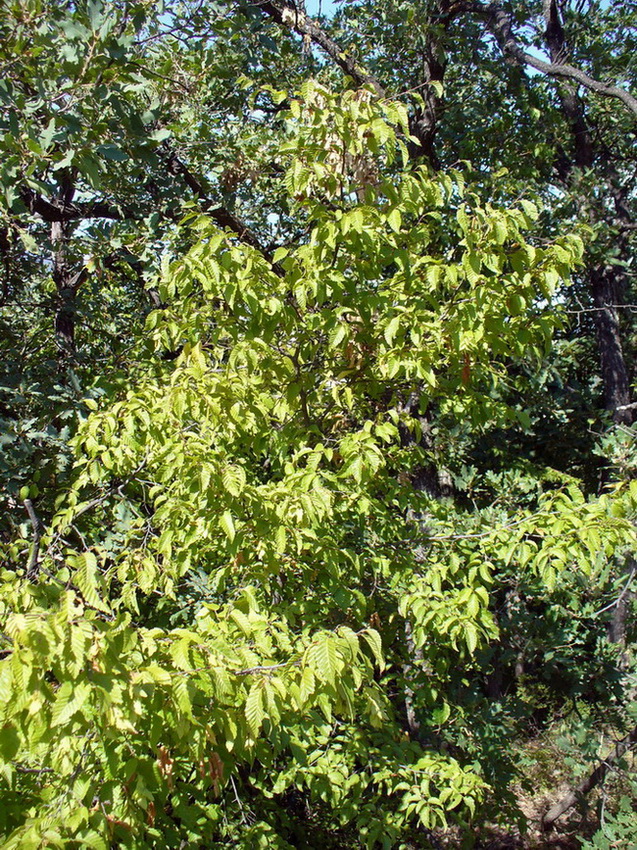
415 656
583 148
66 293
607 295
617 626
67 282
423 123
605 281
619 621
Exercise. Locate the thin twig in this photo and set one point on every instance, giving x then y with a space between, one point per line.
263 669
621 595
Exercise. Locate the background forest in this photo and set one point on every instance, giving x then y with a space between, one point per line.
317 339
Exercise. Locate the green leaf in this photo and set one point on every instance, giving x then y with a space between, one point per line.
394 219
279 254
160 135
69 699
226 524
391 330
374 642
254 712
91 838
234 480
112 152
87 579
308 685
9 743
530 209
471 637
281 539
323 658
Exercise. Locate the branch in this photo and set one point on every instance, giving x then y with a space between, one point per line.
222 216
21 769
616 602
60 211
499 24
422 124
267 669
38 528
590 782
287 14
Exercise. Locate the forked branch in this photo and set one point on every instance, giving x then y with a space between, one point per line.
498 22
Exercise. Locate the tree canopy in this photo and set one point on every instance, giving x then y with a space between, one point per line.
317 421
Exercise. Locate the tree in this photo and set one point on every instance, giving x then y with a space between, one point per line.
293 569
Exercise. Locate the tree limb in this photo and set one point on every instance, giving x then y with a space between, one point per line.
572 106
58 211
61 211
498 22
591 781
38 528
287 14
423 122
220 215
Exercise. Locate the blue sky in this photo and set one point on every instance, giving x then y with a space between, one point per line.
329 6
312 6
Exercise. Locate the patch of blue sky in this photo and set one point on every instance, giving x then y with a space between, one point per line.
320 7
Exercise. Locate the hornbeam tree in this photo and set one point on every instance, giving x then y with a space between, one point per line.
303 510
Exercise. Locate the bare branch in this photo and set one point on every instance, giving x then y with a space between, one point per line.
265 669
36 770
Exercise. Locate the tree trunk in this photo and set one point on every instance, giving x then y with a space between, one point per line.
621 612
65 303
423 123
66 282
605 281
416 658
606 291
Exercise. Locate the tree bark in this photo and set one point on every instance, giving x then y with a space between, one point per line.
567 91
500 24
621 612
606 292
37 528
289 15
606 285
423 123
415 656
67 282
